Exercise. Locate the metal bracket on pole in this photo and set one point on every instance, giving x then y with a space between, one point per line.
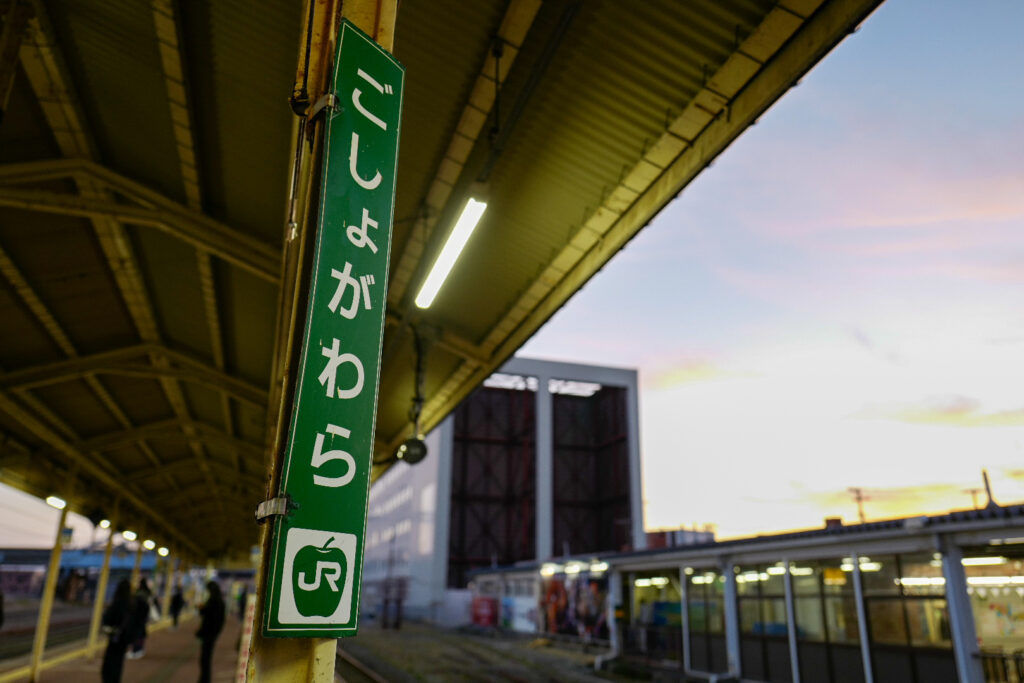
328 100
281 506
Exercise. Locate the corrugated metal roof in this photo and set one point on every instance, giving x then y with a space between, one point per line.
600 114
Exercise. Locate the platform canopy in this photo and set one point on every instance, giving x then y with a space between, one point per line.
144 169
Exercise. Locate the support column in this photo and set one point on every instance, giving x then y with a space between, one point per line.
794 652
684 613
101 594
636 500
961 618
46 606
14 28
165 604
614 600
544 449
732 619
137 569
311 660
442 513
862 620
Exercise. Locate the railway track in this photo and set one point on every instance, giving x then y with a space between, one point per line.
16 642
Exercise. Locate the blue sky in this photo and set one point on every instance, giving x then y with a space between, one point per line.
837 301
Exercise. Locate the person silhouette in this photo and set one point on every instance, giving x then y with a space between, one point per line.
117 620
211 615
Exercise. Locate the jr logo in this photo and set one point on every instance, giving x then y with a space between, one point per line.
328 571
317 577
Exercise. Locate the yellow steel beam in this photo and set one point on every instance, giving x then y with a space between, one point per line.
135 361
50 80
187 223
201 232
165 21
168 429
254 482
15 24
42 313
46 606
101 591
88 465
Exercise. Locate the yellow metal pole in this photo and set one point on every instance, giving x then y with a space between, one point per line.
165 605
101 593
49 589
295 660
137 569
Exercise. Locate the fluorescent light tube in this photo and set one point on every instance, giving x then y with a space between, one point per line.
450 253
55 502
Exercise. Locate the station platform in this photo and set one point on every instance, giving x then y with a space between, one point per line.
172 656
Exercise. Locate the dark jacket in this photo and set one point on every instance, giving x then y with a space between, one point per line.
135 626
177 602
116 618
212 615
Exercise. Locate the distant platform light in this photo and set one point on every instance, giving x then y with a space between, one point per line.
104 523
129 535
162 551
148 544
464 227
550 569
55 502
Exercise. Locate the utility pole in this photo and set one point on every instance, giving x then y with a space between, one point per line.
974 496
858 495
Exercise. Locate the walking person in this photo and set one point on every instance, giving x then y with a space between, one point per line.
211 615
177 604
140 615
117 623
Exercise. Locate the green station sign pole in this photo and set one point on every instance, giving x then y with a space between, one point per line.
316 558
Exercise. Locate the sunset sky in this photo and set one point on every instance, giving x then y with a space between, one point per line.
837 302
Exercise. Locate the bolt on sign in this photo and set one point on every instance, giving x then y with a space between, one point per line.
317 550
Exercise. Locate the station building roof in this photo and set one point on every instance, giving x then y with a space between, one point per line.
977 527
144 167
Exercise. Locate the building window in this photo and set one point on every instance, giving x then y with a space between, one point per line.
705 608
908 618
655 629
826 623
764 627
995 586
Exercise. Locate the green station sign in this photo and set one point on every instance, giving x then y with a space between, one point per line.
317 550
